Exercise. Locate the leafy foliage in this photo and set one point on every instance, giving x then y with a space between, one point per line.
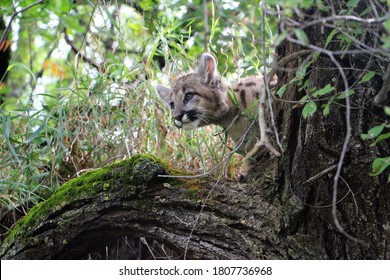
378 134
81 85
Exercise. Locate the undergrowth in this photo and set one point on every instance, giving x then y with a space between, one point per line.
79 96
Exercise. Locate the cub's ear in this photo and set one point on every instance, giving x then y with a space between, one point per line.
208 71
163 91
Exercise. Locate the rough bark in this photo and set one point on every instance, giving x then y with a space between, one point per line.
313 145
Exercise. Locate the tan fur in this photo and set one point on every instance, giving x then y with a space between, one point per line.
211 100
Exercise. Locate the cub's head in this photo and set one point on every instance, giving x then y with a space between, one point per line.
199 98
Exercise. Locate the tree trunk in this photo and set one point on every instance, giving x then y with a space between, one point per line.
313 146
306 172
282 212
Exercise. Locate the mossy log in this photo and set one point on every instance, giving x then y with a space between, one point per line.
129 199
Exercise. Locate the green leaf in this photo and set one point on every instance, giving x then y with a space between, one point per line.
322 7
326 109
353 3
6 127
328 88
35 134
59 7
246 112
345 94
386 41
368 76
301 102
301 36
233 98
381 137
281 91
387 25
306 4
387 110
309 109
379 165
72 22
344 38
300 73
374 132
280 38
330 37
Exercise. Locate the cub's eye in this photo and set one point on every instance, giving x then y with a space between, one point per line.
188 96
172 105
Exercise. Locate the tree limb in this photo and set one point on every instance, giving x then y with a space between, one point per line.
129 199
83 56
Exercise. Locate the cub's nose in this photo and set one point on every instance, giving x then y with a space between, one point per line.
178 121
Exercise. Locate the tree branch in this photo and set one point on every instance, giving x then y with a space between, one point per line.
128 199
83 57
381 98
285 60
14 15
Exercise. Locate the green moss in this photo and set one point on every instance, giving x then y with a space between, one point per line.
192 194
136 170
135 160
106 186
119 179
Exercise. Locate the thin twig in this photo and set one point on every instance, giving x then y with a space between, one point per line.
319 206
206 26
320 174
14 15
213 188
268 92
348 18
347 139
226 160
143 240
353 195
331 18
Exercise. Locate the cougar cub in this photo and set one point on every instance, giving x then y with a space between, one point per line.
202 98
